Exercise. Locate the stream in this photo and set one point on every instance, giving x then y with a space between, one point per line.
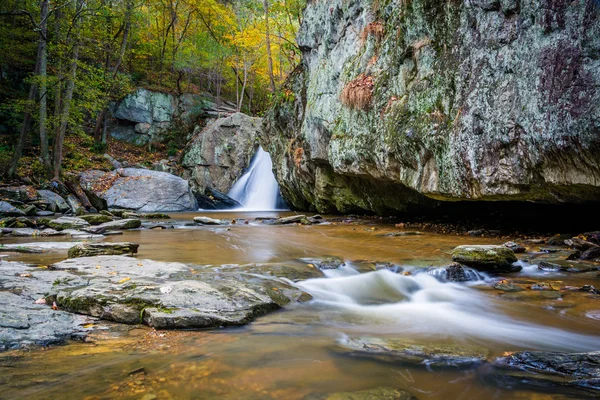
301 350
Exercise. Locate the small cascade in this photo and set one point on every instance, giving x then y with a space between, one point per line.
257 189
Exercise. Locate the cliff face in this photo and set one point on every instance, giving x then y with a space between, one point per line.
401 104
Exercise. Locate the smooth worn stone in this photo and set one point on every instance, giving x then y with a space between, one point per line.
8 210
120 224
68 223
456 272
102 249
129 215
96 219
566 266
515 247
289 220
486 257
581 370
167 295
381 393
24 324
507 286
207 221
44 213
434 355
579 244
140 190
402 233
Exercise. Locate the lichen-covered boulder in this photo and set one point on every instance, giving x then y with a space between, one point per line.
102 249
68 223
486 257
398 106
140 190
96 219
57 203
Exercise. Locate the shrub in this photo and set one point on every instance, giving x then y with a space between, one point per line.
358 94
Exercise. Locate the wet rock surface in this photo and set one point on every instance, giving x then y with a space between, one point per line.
166 295
486 257
102 249
581 370
402 351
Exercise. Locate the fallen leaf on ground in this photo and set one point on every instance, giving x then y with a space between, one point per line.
40 301
124 280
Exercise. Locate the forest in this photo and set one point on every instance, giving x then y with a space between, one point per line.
65 61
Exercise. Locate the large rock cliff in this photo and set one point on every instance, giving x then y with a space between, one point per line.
402 104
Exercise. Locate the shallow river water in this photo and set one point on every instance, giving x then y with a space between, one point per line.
296 352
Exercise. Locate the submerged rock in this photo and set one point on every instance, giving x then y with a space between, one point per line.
381 393
486 257
581 370
102 249
430 355
289 220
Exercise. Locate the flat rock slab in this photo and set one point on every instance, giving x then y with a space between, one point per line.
57 203
289 220
112 225
324 263
96 219
433 355
67 223
581 370
486 257
102 249
167 295
37 247
207 221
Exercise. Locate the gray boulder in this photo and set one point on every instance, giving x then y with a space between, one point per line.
207 221
140 190
57 203
8 210
19 193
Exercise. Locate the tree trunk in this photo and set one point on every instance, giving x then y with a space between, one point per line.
44 150
268 41
26 118
100 128
66 101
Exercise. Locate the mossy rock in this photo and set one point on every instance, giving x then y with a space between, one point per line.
96 219
486 257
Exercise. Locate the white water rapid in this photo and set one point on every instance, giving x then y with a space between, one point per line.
420 306
257 189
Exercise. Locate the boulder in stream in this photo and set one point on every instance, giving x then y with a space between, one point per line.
486 258
140 190
207 221
102 249
580 370
167 295
8 210
68 223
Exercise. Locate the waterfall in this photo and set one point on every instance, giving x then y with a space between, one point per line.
257 189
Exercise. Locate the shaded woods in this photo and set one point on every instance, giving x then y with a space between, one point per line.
66 61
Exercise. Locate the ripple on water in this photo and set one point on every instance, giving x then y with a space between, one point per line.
593 314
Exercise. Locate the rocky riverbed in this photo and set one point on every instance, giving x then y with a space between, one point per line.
357 292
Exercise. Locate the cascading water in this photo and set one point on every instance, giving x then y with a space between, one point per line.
257 189
422 306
